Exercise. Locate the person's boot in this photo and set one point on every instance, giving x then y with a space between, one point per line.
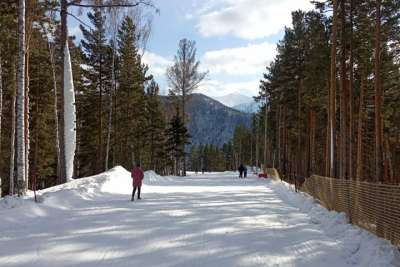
139 193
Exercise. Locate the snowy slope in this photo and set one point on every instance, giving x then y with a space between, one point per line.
203 220
234 99
251 107
239 102
210 122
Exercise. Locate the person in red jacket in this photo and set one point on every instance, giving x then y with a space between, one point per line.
137 178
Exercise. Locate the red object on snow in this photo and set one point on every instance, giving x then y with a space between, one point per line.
137 176
262 175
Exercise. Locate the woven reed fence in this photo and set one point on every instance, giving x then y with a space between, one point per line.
374 207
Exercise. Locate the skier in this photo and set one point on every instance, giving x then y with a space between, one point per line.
245 172
137 178
241 170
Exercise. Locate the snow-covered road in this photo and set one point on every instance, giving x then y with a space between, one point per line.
211 220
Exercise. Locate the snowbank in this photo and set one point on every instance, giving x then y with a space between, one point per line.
115 181
152 178
359 246
9 202
67 195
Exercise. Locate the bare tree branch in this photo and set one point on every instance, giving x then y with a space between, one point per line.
135 4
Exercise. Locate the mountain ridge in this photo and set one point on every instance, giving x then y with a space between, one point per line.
209 121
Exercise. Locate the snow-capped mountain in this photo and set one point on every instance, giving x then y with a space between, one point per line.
239 102
234 99
251 107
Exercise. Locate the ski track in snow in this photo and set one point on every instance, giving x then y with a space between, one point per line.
202 220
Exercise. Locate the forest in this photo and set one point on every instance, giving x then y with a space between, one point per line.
330 98
333 95
74 108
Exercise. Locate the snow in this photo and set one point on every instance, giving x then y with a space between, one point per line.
213 219
234 99
69 114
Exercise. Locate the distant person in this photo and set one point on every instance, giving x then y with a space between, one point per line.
241 170
245 172
137 178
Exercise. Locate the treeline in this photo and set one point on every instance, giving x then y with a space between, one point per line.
333 93
119 117
244 149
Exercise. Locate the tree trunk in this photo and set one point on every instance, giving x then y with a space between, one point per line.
378 97
26 110
265 134
184 123
279 122
70 116
332 95
359 158
299 118
12 143
389 174
343 97
351 96
36 154
29 24
327 135
152 148
110 107
63 40
1 103
21 178
99 165
285 140
257 140
57 141
311 166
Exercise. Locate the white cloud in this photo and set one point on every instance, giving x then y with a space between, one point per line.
219 62
158 64
248 19
249 60
220 88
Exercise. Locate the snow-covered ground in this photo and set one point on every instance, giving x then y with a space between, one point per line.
201 220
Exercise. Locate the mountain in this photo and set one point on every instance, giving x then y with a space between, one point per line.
210 122
239 102
251 107
234 99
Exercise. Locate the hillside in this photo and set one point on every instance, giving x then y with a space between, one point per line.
210 122
234 99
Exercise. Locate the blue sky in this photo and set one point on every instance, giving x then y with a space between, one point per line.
236 39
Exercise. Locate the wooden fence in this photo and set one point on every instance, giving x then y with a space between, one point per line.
372 206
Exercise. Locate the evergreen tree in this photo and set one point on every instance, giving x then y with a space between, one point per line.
97 56
177 137
130 101
155 126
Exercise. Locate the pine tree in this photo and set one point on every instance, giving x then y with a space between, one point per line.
177 137
155 126
98 61
130 98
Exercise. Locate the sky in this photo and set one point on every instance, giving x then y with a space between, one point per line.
235 39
